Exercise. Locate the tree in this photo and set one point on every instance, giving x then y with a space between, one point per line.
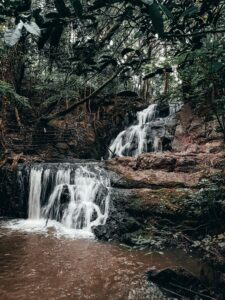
82 45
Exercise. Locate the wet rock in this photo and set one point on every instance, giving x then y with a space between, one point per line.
13 202
163 110
174 275
178 281
123 218
133 210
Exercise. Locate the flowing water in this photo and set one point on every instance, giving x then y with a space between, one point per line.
73 197
53 255
149 133
40 266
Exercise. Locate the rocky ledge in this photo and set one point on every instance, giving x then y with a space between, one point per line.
162 200
162 189
168 169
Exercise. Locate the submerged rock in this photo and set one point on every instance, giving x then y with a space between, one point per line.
174 275
180 282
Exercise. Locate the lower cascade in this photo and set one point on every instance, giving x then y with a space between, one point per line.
151 132
75 195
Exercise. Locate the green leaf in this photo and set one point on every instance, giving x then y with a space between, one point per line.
148 2
190 11
33 28
77 7
137 34
156 18
2 18
166 11
8 91
12 36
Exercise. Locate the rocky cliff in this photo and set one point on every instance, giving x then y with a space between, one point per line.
172 198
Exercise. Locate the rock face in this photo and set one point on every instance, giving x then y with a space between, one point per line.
195 134
13 204
156 186
168 170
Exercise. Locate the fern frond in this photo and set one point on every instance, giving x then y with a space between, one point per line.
7 90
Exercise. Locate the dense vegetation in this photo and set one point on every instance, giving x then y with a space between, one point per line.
73 50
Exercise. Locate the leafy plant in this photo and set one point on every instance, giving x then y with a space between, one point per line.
12 36
7 91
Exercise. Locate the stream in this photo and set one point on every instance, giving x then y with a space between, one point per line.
53 254
39 265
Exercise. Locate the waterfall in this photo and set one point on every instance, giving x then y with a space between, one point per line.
75 195
35 193
150 133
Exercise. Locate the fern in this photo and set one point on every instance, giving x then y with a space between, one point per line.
61 96
6 90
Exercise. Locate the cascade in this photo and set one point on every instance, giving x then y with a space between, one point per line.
75 195
150 133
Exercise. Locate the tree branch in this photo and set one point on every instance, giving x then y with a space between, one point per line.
194 33
75 105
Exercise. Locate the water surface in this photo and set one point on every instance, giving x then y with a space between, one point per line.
42 266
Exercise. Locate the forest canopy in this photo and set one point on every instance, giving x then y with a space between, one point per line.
73 49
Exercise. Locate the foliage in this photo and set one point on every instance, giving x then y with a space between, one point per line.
12 36
82 43
7 91
209 201
202 73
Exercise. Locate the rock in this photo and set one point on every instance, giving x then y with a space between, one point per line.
156 162
179 281
13 202
163 110
131 210
176 275
167 169
193 134
62 146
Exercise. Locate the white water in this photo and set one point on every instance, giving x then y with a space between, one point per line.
35 193
146 135
70 199
89 196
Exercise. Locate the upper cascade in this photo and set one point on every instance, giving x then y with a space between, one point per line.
75 195
150 133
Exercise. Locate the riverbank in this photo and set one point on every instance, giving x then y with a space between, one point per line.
156 219
171 199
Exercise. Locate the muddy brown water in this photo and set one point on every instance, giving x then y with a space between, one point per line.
39 266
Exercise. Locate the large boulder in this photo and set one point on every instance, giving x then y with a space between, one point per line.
195 134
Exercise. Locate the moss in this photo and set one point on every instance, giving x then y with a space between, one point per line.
162 200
